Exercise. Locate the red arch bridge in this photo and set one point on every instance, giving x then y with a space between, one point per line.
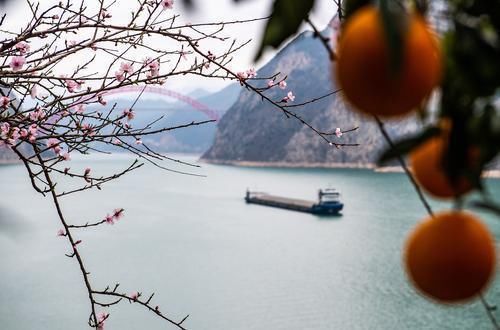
211 113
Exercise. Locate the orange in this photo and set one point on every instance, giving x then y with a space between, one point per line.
450 257
427 163
364 72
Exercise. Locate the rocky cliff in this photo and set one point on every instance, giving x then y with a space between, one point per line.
252 130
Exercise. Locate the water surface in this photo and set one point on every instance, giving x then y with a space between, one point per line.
204 252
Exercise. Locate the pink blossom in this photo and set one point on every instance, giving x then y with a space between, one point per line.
270 83
61 232
66 156
101 318
120 76
86 172
290 96
154 67
109 219
118 213
72 85
37 114
105 14
72 43
17 63
23 47
24 133
55 16
126 67
138 141
33 129
134 295
79 108
242 75
129 113
4 130
4 102
251 73
338 132
101 100
54 144
167 4
282 84
33 92
116 141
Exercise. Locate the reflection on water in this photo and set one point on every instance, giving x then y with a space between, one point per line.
230 265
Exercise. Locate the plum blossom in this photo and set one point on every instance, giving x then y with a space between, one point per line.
138 141
4 102
289 97
105 14
134 295
110 219
116 142
101 100
65 156
33 92
101 318
23 133
79 108
251 73
118 213
54 144
72 85
270 83
129 113
61 232
153 66
86 172
167 4
120 76
242 76
338 132
23 47
37 114
282 84
126 67
17 63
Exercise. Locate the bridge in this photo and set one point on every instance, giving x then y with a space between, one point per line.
210 113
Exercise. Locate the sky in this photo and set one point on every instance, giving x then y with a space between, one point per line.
205 11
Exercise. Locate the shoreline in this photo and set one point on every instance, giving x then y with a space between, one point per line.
303 165
490 174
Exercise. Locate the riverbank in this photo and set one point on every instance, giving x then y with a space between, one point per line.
492 174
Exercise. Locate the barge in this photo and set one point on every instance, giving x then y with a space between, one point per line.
328 202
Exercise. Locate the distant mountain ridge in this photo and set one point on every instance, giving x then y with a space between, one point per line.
253 131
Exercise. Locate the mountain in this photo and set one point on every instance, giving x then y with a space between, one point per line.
252 130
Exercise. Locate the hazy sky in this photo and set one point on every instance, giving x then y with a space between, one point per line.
206 11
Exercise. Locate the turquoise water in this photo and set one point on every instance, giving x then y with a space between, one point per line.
204 252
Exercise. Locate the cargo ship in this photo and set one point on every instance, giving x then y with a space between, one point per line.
328 202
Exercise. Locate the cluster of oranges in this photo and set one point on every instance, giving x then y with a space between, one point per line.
449 257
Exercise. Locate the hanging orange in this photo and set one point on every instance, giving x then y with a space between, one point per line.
450 257
363 67
427 163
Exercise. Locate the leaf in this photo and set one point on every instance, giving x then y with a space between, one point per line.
404 146
351 6
487 205
286 17
395 23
